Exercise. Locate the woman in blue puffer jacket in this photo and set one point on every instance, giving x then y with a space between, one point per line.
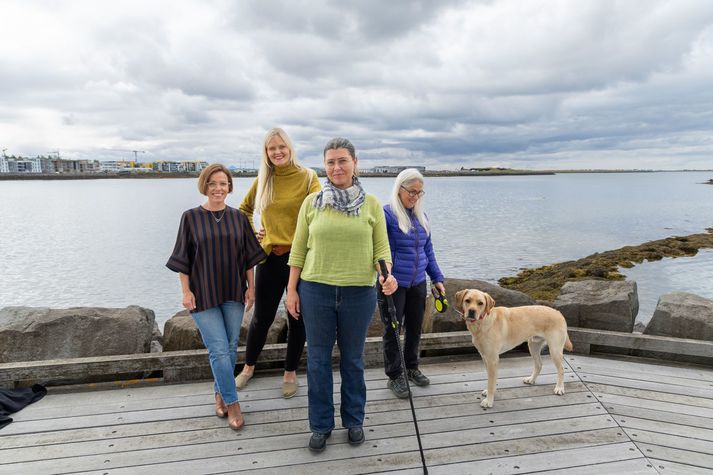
413 258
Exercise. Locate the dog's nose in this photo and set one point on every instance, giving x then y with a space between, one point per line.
471 314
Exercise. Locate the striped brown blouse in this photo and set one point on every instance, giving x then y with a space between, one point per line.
215 255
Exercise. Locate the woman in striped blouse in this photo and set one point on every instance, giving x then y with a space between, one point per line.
214 256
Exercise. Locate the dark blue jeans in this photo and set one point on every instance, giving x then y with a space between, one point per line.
342 314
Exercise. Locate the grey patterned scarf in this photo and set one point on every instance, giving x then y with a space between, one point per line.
346 201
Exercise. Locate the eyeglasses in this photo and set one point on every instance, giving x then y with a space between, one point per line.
413 193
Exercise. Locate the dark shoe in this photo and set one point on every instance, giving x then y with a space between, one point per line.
318 441
417 377
355 435
398 387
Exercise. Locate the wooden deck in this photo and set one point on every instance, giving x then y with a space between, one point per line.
618 416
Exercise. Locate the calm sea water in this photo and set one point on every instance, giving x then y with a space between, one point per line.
105 242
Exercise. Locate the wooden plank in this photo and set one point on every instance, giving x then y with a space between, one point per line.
633 372
621 413
621 458
373 409
669 428
609 400
643 365
601 389
377 390
664 466
661 387
386 425
690 444
686 457
637 341
218 457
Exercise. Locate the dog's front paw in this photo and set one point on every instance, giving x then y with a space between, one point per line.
486 403
484 393
529 380
559 390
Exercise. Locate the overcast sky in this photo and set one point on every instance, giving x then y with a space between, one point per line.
526 84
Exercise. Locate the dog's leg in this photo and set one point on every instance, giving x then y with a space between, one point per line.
492 368
558 360
535 344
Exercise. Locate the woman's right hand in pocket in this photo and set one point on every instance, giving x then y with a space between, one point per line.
293 304
189 300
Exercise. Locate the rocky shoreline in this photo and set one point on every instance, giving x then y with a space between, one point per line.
544 283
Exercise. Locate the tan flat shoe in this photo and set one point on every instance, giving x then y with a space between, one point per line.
242 379
289 389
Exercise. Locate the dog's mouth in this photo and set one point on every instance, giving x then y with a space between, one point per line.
471 316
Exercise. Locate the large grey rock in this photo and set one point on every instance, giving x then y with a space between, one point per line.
181 333
452 321
599 304
40 333
682 315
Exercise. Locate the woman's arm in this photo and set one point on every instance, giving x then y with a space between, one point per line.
293 298
189 300
250 291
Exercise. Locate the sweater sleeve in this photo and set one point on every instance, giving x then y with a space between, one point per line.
248 204
181 259
380 238
432 269
298 252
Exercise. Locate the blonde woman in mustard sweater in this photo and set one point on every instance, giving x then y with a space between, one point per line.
276 194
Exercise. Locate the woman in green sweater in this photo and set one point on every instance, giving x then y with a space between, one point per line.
340 237
276 194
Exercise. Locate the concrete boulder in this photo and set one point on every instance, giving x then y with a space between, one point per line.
599 304
682 315
40 333
452 321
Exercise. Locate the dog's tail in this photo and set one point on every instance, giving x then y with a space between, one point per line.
568 344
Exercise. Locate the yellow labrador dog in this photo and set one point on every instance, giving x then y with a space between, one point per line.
496 330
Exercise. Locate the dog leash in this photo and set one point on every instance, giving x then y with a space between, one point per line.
395 325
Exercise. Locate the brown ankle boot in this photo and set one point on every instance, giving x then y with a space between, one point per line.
235 417
221 410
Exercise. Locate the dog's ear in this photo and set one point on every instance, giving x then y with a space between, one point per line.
459 298
489 303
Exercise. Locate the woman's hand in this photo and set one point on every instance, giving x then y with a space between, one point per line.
439 286
388 285
249 297
293 304
189 300
260 235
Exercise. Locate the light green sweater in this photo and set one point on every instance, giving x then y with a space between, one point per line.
336 249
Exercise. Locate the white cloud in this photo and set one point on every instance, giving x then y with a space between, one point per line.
548 83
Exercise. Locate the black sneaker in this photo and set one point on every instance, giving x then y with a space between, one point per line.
417 377
355 435
318 441
398 386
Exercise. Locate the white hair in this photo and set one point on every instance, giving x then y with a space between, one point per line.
405 178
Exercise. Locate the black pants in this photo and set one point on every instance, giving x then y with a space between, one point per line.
410 303
270 283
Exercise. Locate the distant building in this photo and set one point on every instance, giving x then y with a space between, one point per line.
4 168
390 169
167 166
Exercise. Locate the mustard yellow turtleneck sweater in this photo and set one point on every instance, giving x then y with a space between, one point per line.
290 187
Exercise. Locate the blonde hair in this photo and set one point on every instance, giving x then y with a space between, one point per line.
207 172
265 189
405 177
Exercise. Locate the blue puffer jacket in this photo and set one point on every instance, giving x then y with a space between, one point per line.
412 254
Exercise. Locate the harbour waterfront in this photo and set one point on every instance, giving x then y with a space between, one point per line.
105 242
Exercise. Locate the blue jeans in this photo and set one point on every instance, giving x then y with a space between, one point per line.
342 314
220 330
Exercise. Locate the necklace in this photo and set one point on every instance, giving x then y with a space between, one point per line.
217 220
